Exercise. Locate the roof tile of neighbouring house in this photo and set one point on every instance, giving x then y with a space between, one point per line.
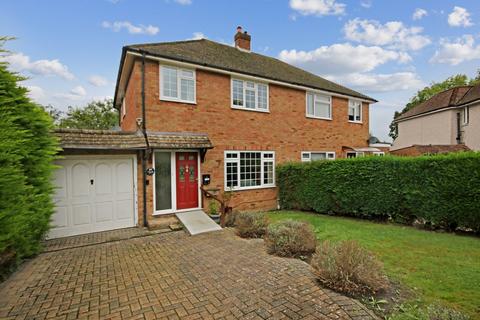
472 95
445 99
121 140
216 55
418 149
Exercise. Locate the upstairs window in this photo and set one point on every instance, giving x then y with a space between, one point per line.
249 169
308 156
354 111
466 115
319 106
177 84
249 95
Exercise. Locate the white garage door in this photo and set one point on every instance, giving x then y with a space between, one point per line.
93 194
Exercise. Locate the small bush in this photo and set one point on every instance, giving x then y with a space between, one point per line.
348 268
291 238
251 224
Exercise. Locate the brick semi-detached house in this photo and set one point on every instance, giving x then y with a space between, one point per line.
200 113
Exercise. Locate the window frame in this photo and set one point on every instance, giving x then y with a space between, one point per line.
327 153
312 116
237 161
466 115
350 101
358 154
378 153
256 83
179 84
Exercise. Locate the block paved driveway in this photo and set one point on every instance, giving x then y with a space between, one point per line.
170 276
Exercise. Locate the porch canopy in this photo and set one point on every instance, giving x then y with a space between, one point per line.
362 149
122 140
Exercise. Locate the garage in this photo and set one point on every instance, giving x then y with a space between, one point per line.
93 193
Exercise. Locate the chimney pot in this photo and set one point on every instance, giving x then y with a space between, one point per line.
242 40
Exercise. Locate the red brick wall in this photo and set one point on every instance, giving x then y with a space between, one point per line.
285 129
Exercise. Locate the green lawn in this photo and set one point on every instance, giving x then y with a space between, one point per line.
439 267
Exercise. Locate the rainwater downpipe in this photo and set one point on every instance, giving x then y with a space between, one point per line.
146 152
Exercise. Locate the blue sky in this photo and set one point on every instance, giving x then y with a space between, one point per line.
70 50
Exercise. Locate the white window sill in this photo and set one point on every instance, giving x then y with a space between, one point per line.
319 118
268 186
247 109
178 100
357 122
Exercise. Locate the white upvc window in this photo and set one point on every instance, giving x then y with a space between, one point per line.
354 111
355 154
249 169
466 115
319 106
249 95
308 156
177 84
378 153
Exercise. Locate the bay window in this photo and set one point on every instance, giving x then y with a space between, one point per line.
177 84
249 169
319 106
249 95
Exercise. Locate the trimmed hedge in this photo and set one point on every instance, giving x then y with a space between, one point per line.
27 150
443 190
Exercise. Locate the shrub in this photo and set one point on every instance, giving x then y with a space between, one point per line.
251 224
27 150
290 238
347 267
442 190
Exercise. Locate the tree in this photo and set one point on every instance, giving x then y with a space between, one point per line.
27 151
428 92
95 115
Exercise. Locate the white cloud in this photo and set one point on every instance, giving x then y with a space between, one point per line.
419 14
36 93
342 58
97 81
198 36
393 34
459 17
458 51
20 62
318 7
79 91
366 4
370 82
117 26
184 2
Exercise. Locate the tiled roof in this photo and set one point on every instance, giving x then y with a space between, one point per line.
445 99
417 149
121 140
472 95
216 55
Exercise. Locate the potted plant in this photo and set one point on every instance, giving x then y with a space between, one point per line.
213 210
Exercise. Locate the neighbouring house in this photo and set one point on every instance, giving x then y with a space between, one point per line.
200 113
449 118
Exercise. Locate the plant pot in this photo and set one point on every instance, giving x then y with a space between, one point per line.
215 217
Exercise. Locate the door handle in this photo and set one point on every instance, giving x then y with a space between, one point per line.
91 182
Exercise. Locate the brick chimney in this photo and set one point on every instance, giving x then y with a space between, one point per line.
242 39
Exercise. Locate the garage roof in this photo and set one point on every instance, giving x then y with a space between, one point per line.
122 140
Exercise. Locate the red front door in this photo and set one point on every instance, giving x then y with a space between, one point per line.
187 180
